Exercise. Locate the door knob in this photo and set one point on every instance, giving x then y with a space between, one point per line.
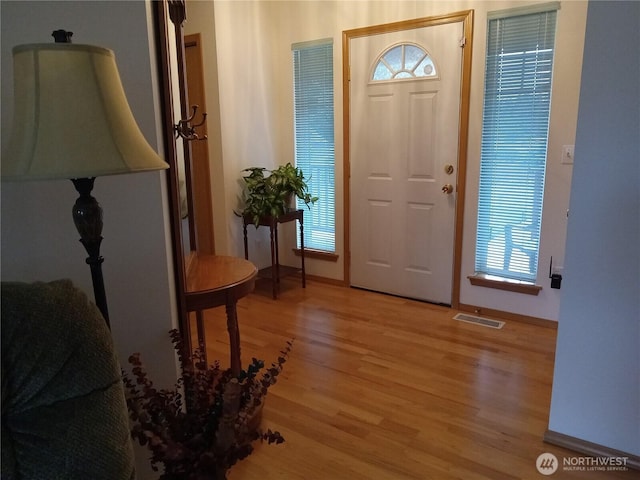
448 189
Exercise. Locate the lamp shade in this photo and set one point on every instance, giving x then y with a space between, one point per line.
71 117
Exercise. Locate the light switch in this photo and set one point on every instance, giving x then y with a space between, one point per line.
567 154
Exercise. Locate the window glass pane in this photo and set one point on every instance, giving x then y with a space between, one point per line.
517 101
426 68
382 72
314 140
412 55
394 58
403 75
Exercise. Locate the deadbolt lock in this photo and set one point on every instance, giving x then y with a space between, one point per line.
448 169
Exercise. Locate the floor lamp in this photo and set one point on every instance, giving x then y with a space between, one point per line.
72 121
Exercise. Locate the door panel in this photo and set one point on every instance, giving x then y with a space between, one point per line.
422 109
379 241
403 132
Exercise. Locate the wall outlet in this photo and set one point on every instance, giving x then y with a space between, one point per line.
567 154
557 270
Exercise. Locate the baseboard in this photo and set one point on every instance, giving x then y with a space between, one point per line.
327 280
589 448
319 279
490 312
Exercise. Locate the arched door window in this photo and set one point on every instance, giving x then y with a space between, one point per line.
403 61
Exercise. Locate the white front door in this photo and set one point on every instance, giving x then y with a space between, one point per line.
404 153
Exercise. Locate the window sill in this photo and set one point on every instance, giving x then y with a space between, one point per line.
490 281
318 254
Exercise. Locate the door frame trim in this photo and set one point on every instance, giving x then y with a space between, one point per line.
466 17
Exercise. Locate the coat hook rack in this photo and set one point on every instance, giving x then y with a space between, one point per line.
186 131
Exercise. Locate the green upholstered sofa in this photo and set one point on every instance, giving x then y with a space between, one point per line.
63 410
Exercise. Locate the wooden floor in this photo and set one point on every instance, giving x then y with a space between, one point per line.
383 388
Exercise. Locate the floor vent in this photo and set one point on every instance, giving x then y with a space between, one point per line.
485 322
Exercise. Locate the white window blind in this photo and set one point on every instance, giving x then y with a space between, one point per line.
314 140
517 101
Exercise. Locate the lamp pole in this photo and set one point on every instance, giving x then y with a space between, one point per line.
87 216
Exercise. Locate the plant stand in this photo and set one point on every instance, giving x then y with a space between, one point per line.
277 271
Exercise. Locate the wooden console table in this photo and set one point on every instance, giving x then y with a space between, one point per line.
213 281
277 271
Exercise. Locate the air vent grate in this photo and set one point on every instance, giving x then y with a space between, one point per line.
485 322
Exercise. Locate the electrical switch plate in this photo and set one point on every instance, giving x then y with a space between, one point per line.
567 154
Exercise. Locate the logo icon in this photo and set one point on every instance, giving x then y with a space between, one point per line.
547 463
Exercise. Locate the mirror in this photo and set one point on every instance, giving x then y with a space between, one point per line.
183 69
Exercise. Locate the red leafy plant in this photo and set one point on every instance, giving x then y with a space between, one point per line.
208 422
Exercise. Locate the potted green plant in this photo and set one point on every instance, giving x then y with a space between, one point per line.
271 192
208 422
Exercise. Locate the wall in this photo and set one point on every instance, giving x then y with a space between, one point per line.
255 79
39 240
598 361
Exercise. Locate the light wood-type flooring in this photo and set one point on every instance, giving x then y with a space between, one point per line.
383 388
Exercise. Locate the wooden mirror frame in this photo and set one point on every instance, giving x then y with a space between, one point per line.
176 9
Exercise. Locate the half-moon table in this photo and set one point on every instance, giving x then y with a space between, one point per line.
216 280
